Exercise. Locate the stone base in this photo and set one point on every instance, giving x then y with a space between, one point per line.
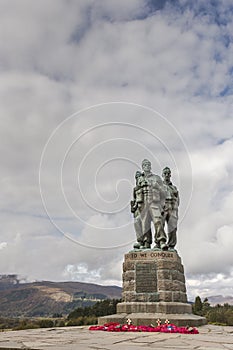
154 287
160 308
153 276
151 318
148 313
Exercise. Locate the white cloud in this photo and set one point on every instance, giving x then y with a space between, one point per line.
59 57
3 245
80 273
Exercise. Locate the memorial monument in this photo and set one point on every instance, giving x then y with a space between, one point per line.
153 277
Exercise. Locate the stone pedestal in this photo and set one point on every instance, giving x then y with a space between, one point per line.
153 276
154 287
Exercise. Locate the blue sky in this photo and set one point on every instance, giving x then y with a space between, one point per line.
168 67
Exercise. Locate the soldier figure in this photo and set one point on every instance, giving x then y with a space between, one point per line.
153 195
171 208
143 240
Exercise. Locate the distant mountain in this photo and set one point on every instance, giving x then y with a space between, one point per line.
47 298
219 299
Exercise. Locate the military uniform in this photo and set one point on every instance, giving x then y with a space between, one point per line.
154 195
171 213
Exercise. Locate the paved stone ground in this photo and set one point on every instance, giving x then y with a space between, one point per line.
80 338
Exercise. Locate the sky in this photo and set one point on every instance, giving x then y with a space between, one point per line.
88 90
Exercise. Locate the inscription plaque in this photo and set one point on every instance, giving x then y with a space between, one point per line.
146 278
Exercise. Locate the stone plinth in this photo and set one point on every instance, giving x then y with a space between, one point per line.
160 307
153 276
154 287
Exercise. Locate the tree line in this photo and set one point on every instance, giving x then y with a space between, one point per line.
218 314
78 317
81 316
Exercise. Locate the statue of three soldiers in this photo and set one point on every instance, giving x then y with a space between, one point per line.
155 201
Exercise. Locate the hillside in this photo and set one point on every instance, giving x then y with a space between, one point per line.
46 298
